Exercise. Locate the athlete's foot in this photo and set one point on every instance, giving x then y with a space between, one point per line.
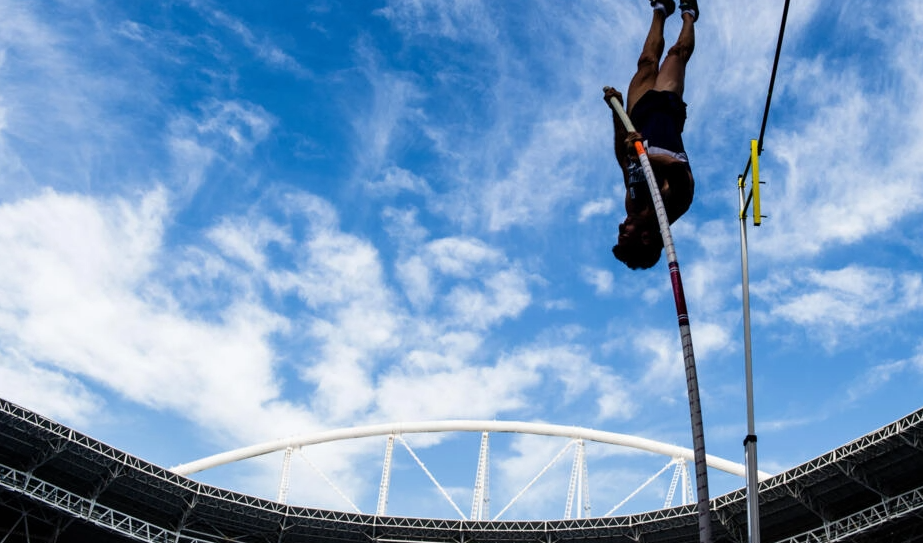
665 6
691 7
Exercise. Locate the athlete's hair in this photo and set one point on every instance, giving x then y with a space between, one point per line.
639 255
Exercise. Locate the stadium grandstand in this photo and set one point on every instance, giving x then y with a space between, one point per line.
58 485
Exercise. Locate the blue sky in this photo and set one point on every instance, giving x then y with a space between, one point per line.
225 223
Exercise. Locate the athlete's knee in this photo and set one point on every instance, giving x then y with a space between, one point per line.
682 50
648 62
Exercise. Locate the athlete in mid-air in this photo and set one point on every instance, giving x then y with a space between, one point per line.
656 108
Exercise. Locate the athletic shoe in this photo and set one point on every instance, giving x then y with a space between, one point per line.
690 6
669 6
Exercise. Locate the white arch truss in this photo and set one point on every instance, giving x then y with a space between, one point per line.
398 428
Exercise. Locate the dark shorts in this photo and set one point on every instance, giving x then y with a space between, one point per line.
660 117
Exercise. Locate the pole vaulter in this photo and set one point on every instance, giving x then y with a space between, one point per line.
659 185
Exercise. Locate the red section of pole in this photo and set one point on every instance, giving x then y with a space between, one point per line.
682 316
679 297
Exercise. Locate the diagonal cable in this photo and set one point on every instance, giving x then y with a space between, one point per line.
431 478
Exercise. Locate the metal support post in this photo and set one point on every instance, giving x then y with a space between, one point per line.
753 501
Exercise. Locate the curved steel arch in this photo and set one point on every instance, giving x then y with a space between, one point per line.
572 432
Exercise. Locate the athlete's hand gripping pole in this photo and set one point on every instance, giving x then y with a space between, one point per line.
692 384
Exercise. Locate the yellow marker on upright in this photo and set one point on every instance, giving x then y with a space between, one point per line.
754 159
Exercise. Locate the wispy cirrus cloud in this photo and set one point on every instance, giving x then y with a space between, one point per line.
221 131
470 20
880 375
50 99
844 190
261 46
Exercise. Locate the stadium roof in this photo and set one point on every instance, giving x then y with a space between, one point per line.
59 485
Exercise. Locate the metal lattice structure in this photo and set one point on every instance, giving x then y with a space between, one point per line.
577 490
57 484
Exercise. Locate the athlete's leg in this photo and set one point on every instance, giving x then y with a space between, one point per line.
646 76
672 74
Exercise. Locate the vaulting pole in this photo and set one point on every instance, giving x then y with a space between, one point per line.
692 381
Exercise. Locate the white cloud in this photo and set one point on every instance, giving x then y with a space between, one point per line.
845 204
353 316
505 295
80 298
445 383
403 226
191 159
222 131
664 375
448 352
461 257
709 256
51 100
710 338
335 269
601 280
468 20
559 305
247 240
468 392
880 375
480 287
243 123
415 277
614 401
851 297
262 47
49 392
527 159
829 190
603 206
391 110
543 177
395 180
